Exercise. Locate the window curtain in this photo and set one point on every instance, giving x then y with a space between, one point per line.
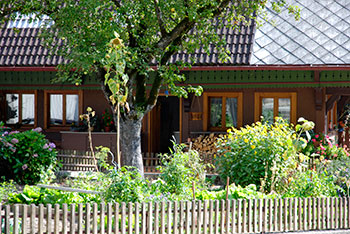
72 109
56 109
28 108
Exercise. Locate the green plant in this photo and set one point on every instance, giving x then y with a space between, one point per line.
26 156
127 185
179 169
36 195
263 154
6 188
312 184
234 192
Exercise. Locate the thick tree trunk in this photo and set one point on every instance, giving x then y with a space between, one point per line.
130 142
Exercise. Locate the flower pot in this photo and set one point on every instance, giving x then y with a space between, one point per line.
107 128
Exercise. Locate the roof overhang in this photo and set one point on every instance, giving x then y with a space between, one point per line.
216 68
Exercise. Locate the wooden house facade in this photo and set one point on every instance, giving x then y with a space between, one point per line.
274 71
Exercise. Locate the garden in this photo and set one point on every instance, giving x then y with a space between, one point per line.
265 160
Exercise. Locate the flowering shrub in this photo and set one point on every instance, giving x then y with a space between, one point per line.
321 146
262 154
26 156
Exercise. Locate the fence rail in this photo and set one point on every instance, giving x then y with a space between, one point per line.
195 217
73 160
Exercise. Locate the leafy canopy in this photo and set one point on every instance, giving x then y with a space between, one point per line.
149 30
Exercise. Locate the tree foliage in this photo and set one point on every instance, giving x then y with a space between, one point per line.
128 43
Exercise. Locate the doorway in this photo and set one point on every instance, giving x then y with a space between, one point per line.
164 124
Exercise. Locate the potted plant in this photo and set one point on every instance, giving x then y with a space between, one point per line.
107 120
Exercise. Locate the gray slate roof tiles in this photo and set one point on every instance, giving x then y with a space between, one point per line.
321 36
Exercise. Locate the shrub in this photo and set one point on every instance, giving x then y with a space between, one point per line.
179 169
312 184
262 154
6 188
127 185
26 156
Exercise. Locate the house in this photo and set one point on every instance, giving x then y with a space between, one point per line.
294 69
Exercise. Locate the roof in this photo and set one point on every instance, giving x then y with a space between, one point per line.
321 36
25 48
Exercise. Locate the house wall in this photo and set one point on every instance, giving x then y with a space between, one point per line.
305 108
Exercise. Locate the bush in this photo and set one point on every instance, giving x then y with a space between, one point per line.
26 156
262 154
179 169
6 188
312 184
127 185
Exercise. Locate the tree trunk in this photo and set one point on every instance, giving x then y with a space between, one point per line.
130 142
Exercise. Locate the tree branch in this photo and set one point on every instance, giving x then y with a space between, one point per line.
159 17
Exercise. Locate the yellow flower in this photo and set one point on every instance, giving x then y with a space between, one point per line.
254 152
253 146
89 109
246 140
229 130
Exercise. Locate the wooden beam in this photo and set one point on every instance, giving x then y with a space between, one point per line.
341 103
318 98
338 90
331 101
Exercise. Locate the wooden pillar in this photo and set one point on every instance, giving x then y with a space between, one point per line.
320 108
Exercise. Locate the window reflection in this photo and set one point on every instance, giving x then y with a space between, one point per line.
267 109
231 112
72 111
215 112
12 114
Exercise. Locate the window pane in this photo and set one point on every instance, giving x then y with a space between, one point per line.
215 112
28 109
231 112
56 109
72 109
267 109
284 108
12 114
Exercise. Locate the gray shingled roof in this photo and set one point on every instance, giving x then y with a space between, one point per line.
25 49
321 36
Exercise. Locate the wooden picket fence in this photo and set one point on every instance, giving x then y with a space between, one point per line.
73 160
195 217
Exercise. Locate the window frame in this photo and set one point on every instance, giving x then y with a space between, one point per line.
47 94
275 95
20 93
223 95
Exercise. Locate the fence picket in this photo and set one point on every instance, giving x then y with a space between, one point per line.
109 218
205 217
156 218
56 219
72 218
143 218
211 211
116 218
94 218
41 220
336 214
123 220
175 231
169 217
16 219
222 216
48 218
217 206
32 219
239 215
228 202
137 218
244 214
130 217
150 218
255 216
193 217
162 218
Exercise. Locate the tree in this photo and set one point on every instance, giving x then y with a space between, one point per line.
127 43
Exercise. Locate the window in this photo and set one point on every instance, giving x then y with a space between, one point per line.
271 105
222 111
20 108
62 108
